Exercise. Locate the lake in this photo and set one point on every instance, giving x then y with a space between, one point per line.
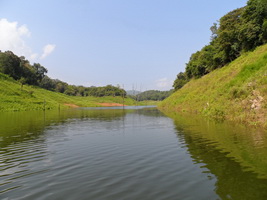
136 153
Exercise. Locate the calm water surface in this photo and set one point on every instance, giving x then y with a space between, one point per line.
131 154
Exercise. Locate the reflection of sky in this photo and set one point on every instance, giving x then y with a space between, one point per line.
118 108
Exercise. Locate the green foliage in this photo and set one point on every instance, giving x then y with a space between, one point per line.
237 92
25 94
180 81
48 83
152 95
10 64
239 31
20 69
201 62
227 42
13 98
249 71
108 90
39 71
214 31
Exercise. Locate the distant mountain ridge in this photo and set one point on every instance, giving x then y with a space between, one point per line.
133 92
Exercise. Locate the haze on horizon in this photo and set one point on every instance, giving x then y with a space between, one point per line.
99 42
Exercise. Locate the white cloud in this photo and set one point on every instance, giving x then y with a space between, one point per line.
33 56
12 38
48 49
164 83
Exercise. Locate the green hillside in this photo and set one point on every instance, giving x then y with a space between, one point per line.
236 92
13 97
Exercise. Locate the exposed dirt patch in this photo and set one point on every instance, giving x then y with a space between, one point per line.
70 105
256 101
110 104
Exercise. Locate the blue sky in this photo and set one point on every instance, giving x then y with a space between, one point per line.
140 43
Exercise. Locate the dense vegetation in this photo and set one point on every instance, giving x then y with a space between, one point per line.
21 70
237 32
152 95
132 92
236 92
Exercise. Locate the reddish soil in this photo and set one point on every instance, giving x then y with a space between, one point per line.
71 105
110 104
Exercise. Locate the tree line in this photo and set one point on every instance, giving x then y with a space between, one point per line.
154 95
239 31
21 70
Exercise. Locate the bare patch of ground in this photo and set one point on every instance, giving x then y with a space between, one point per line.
70 105
110 104
256 101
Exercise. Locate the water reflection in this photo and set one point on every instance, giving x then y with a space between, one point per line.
128 154
23 126
234 154
41 151
23 140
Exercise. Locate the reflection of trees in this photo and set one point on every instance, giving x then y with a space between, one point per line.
153 112
233 182
23 139
101 114
23 126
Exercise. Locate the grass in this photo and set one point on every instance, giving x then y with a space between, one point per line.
15 98
236 92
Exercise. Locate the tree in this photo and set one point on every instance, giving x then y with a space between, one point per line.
253 31
40 71
154 95
180 81
60 86
196 68
10 64
70 90
227 42
48 83
214 31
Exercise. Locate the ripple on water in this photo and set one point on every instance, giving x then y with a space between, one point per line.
130 157
16 164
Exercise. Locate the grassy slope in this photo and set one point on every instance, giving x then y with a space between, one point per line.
236 92
12 98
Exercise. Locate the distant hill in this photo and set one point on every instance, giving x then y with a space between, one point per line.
132 92
153 95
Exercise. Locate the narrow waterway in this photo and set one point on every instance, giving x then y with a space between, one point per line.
132 153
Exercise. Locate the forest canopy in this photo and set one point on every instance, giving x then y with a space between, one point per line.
154 95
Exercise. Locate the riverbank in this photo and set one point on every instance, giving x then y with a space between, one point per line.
236 92
14 97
